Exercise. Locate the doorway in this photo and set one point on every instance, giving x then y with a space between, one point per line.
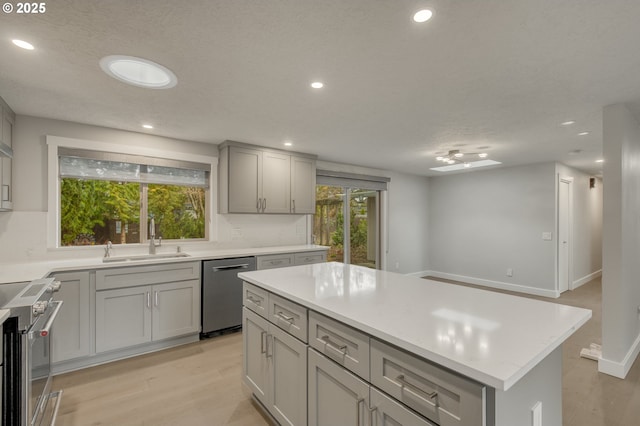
565 225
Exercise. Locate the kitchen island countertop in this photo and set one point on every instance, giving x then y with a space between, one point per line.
493 338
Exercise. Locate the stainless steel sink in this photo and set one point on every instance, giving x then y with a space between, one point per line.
142 257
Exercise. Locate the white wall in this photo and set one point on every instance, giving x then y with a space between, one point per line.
621 241
23 231
483 222
406 227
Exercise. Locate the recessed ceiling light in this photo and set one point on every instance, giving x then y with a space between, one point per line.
23 44
422 15
568 123
317 85
583 133
600 161
147 126
458 154
288 144
483 155
138 72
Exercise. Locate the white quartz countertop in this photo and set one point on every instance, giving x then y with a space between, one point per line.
20 272
490 337
4 314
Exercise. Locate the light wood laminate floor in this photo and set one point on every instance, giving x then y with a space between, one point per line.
200 384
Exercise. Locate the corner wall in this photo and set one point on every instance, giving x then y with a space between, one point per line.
621 241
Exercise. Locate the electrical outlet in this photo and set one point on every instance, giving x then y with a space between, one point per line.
509 272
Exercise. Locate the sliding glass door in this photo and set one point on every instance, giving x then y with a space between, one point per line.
347 220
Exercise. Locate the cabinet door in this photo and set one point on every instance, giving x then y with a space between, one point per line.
255 372
123 318
336 396
176 309
72 336
303 185
385 411
288 378
245 184
276 182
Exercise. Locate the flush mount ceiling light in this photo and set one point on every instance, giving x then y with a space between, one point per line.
23 44
422 16
457 160
138 72
317 85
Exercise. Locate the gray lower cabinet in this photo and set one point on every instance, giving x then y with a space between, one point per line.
335 396
136 315
72 337
274 368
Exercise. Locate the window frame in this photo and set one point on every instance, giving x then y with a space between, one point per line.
54 143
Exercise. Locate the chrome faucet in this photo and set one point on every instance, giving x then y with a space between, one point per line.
107 249
152 237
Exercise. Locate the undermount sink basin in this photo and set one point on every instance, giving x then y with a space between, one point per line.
144 257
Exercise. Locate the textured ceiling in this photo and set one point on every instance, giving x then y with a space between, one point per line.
482 73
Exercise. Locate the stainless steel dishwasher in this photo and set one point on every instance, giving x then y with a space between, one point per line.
222 294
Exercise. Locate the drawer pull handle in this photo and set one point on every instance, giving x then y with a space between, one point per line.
281 315
404 383
263 334
267 348
334 346
256 301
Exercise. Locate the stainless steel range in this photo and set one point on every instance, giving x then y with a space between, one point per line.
26 377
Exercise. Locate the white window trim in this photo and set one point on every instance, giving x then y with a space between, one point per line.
53 183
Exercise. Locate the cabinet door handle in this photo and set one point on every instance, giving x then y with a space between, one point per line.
255 301
372 417
264 204
156 298
358 404
287 318
148 300
404 383
294 205
263 334
258 204
336 347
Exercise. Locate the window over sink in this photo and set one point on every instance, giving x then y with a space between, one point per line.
106 196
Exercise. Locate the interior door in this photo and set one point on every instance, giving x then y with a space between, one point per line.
564 234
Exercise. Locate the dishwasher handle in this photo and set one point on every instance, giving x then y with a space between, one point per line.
230 267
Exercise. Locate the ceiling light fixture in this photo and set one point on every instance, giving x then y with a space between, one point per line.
317 85
288 144
568 123
138 72
23 44
147 126
583 133
422 16
600 161
455 156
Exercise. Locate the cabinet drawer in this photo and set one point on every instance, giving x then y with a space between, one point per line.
275 261
310 257
387 412
289 316
343 344
255 299
441 396
107 279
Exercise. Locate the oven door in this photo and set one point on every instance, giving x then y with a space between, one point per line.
39 363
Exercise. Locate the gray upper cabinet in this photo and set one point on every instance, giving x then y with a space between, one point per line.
6 138
259 180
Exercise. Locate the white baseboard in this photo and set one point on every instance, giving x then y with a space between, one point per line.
497 284
586 279
620 369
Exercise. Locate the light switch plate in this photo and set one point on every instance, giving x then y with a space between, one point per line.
546 236
536 411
